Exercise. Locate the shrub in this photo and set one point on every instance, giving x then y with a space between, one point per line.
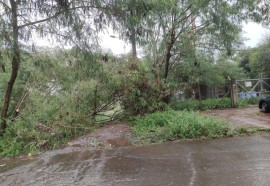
63 101
208 104
247 102
43 124
202 105
169 125
142 92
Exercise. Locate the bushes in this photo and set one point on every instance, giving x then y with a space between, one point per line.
143 92
63 102
45 122
170 125
249 101
202 105
212 104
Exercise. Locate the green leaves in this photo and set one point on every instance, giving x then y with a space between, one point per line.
255 61
171 125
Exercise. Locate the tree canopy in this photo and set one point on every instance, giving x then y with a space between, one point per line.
256 61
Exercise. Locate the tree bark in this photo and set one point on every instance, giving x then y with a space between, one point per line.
167 60
15 66
199 91
170 43
133 44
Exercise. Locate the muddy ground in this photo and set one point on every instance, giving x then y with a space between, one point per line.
247 117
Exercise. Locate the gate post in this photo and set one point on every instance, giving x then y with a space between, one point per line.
233 93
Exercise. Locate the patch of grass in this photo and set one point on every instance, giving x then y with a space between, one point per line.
243 131
247 102
208 104
27 137
171 125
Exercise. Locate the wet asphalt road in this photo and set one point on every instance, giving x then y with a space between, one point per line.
230 161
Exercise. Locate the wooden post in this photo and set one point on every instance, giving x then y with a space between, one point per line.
261 83
233 94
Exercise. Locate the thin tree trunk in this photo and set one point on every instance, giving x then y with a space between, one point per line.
199 91
15 66
133 44
167 98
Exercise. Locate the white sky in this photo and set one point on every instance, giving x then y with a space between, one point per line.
255 33
252 32
111 42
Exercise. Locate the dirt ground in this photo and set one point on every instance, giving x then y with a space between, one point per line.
108 136
247 117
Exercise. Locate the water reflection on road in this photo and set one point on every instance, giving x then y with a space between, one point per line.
230 161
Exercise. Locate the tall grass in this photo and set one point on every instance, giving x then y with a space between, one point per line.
171 125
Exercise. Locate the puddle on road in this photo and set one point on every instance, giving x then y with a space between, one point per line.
10 163
119 142
73 157
78 150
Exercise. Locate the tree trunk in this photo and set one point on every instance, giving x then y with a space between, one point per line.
133 44
15 66
199 91
167 60
166 99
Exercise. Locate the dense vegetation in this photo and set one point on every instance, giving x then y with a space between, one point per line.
255 61
208 104
51 95
171 125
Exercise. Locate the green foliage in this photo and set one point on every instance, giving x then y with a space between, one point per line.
11 147
206 71
168 38
247 102
255 61
62 98
260 12
143 92
4 78
202 105
61 95
44 123
241 131
170 125
208 104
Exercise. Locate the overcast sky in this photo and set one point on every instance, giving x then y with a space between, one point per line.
254 33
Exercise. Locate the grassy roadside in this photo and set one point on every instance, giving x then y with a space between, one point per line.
174 125
26 136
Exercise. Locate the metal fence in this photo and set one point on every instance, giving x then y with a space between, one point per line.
249 88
